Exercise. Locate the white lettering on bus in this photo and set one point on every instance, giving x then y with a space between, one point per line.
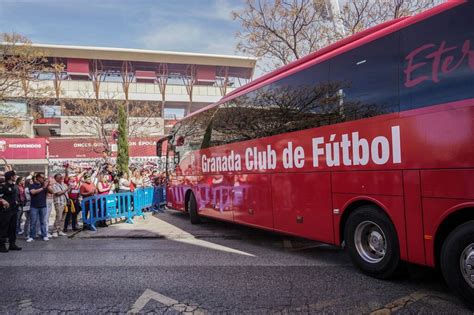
229 163
378 150
260 160
293 157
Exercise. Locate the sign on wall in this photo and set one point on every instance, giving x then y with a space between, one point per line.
22 148
93 148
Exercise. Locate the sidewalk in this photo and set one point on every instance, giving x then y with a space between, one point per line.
153 227
150 227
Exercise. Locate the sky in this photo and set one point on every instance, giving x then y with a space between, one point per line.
203 26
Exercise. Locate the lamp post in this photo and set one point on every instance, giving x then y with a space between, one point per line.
334 11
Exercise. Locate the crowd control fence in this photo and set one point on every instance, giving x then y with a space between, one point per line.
159 197
125 205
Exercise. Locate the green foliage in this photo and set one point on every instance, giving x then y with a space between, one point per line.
122 142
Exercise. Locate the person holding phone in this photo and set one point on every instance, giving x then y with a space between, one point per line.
61 200
38 207
88 189
74 207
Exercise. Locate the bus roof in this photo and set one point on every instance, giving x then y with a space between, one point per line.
342 46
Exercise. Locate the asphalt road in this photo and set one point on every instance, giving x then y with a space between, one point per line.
251 271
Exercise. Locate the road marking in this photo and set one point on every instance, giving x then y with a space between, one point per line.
26 306
197 242
169 302
400 303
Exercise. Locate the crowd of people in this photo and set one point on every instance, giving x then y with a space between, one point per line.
27 203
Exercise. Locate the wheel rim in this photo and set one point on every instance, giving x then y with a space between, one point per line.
467 264
370 242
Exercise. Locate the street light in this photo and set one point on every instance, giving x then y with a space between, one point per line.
334 11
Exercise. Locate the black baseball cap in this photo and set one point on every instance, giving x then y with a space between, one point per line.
9 175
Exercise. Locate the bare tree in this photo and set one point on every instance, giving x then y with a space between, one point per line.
90 118
98 118
357 15
142 119
285 30
10 118
20 66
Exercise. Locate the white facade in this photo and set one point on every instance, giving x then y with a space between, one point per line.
81 126
76 89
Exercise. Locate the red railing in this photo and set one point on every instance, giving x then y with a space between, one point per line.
48 121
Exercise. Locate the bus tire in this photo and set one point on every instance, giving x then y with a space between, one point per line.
192 209
372 242
457 261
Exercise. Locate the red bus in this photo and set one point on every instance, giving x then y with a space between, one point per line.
368 144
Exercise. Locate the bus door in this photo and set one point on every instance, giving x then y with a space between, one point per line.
169 167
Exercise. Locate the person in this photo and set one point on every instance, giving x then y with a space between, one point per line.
136 179
145 178
153 177
26 208
106 157
178 171
110 170
103 188
158 192
7 167
9 213
74 206
38 207
87 189
124 183
49 205
4 204
60 197
20 183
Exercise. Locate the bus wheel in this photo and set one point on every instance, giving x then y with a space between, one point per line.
457 261
192 209
372 242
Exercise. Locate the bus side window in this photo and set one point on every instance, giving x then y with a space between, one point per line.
422 82
368 79
293 103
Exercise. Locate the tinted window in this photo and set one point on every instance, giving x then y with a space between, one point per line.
368 78
436 59
361 83
191 134
297 102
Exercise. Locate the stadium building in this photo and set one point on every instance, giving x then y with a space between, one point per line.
173 84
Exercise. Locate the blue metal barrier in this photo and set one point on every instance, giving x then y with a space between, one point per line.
143 198
116 206
159 197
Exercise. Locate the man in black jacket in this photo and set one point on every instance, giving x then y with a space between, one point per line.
8 215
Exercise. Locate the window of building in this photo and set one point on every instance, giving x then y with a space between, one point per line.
50 111
13 109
